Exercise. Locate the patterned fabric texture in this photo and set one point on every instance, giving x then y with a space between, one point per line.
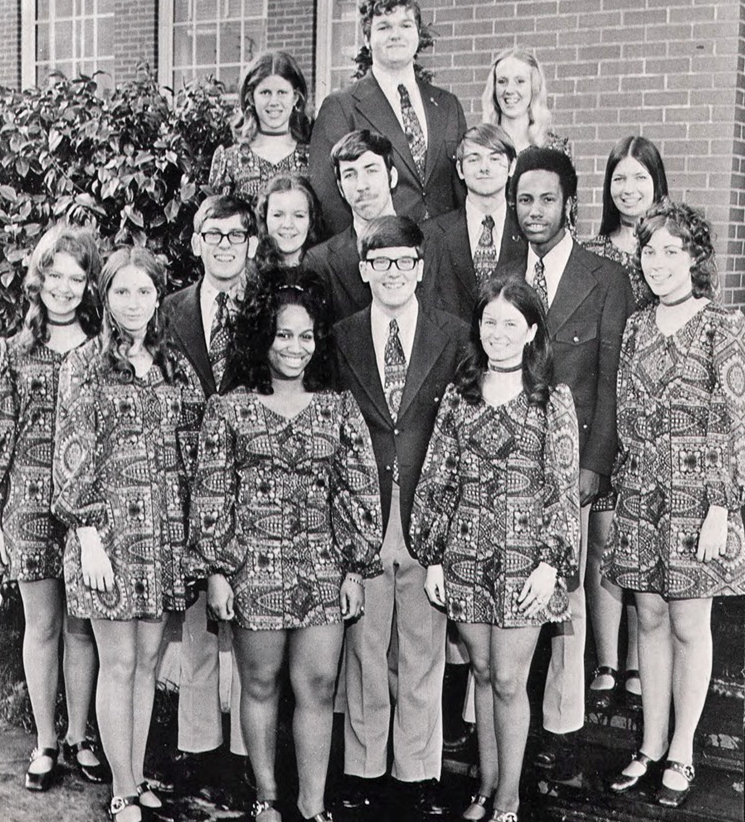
603 246
485 257
34 538
123 456
413 131
498 494
237 170
681 427
285 507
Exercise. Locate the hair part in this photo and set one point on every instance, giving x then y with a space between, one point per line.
643 151
390 231
356 143
222 207
80 243
487 135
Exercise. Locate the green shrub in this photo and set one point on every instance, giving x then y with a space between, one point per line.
133 165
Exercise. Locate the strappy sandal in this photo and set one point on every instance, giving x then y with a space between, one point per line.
602 697
672 797
92 773
41 781
262 806
633 700
121 803
503 816
623 782
477 809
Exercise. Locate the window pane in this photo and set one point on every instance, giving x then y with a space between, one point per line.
65 67
230 43
180 11
42 10
63 8
206 9
63 40
42 42
180 77
105 6
253 8
182 45
230 77
234 8
106 38
206 52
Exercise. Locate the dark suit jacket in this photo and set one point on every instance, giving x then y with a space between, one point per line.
449 278
585 324
185 324
439 345
364 106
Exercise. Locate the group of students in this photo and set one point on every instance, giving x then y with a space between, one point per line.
450 409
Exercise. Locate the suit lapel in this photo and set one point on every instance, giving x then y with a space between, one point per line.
359 352
343 250
187 328
575 284
429 342
461 255
436 127
513 246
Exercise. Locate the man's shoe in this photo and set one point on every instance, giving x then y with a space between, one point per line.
559 755
427 798
462 742
359 794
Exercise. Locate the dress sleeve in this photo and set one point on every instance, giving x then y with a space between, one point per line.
356 517
625 404
214 544
439 487
192 411
8 412
79 449
560 534
219 179
725 429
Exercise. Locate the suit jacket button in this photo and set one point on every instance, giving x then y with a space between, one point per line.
388 468
584 425
396 431
575 339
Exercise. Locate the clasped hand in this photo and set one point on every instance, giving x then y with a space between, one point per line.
352 597
538 589
712 541
220 597
95 564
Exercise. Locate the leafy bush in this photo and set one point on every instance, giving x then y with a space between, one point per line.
133 165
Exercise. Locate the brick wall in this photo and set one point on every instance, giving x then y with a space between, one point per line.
136 37
10 48
667 69
291 27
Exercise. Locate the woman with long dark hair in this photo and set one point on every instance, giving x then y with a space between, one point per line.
496 520
286 523
127 423
62 314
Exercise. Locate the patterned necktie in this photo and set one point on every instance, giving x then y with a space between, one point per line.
485 256
219 338
395 377
539 284
413 131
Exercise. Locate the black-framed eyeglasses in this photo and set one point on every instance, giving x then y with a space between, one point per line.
384 263
215 237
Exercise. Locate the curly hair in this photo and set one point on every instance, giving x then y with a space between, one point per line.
643 151
536 158
267 253
265 65
81 244
538 112
689 224
538 363
255 327
115 341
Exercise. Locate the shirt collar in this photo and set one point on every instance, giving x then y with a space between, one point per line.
389 81
556 260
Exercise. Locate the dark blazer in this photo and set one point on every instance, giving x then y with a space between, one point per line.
185 324
449 278
439 345
364 106
585 324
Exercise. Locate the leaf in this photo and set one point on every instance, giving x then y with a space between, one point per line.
22 166
135 216
55 138
8 193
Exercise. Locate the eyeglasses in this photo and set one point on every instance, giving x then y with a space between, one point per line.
215 237
384 263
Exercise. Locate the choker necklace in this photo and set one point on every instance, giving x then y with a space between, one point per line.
260 130
65 322
505 370
679 301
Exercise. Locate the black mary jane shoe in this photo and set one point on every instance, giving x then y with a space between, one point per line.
621 782
120 803
92 773
633 700
602 698
671 797
42 781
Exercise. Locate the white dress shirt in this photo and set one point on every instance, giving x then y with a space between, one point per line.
554 264
475 219
208 306
381 322
389 84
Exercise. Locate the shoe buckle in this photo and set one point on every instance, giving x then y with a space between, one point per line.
118 804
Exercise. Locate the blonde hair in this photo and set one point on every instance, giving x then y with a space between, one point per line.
538 112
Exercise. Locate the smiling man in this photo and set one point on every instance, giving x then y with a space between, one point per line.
422 121
587 300
397 357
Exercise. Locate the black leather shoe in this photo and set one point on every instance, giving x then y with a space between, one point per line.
621 782
92 773
672 797
558 755
427 798
359 794
603 699
42 781
462 742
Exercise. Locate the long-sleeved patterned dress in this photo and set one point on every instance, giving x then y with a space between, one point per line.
498 494
28 398
603 246
285 507
239 171
681 429
123 455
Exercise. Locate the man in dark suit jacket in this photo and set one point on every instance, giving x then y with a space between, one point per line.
465 247
377 102
366 177
224 231
588 300
397 357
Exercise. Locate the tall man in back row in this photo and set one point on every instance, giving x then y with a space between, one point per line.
423 122
587 300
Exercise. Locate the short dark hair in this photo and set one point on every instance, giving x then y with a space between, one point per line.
488 136
537 158
354 144
375 8
390 231
643 151
222 206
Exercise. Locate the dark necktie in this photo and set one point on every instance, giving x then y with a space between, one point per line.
539 284
219 338
485 256
395 377
413 131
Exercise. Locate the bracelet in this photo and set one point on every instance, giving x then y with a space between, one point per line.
357 580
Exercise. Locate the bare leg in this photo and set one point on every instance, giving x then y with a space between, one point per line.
477 639
43 610
115 708
604 599
259 655
512 652
690 620
632 647
79 667
314 661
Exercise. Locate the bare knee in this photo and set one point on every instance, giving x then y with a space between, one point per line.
480 668
653 618
43 627
260 682
314 688
507 688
